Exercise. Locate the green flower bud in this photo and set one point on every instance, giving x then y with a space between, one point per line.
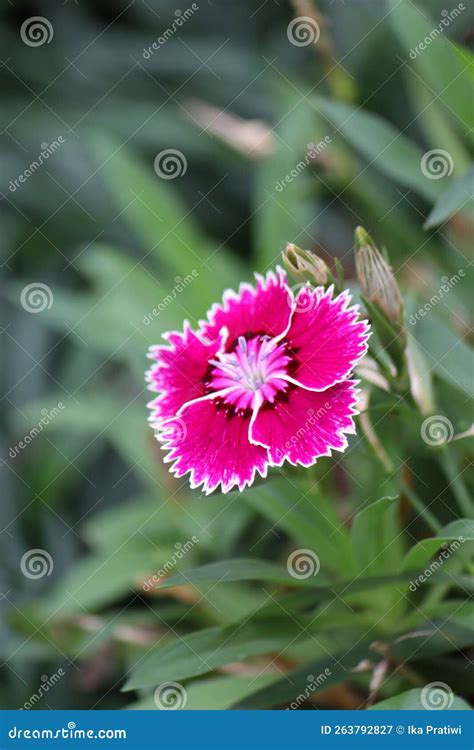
382 298
304 266
377 282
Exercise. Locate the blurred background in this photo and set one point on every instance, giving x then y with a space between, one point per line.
153 155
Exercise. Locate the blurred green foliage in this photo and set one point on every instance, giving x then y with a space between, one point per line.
112 239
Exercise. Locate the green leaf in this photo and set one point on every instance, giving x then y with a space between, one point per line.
241 569
105 414
382 144
376 541
224 526
438 128
249 570
285 208
308 680
465 58
456 198
436 638
206 650
165 226
447 355
413 700
437 63
307 517
109 528
432 637
97 581
457 532
93 320
421 381
214 693
111 271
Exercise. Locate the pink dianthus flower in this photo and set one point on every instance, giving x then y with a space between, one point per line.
264 380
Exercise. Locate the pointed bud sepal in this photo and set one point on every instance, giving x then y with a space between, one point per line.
381 297
305 266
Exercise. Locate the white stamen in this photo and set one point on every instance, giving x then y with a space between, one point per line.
244 366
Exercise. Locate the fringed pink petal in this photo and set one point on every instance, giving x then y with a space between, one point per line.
263 309
179 371
307 424
211 442
326 336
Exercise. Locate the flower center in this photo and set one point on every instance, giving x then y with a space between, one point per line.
254 365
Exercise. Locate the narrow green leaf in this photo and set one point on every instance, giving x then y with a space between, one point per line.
227 571
215 693
308 680
242 569
285 194
435 638
448 356
206 650
165 226
376 541
455 533
382 145
307 517
427 50
97 581
458 197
